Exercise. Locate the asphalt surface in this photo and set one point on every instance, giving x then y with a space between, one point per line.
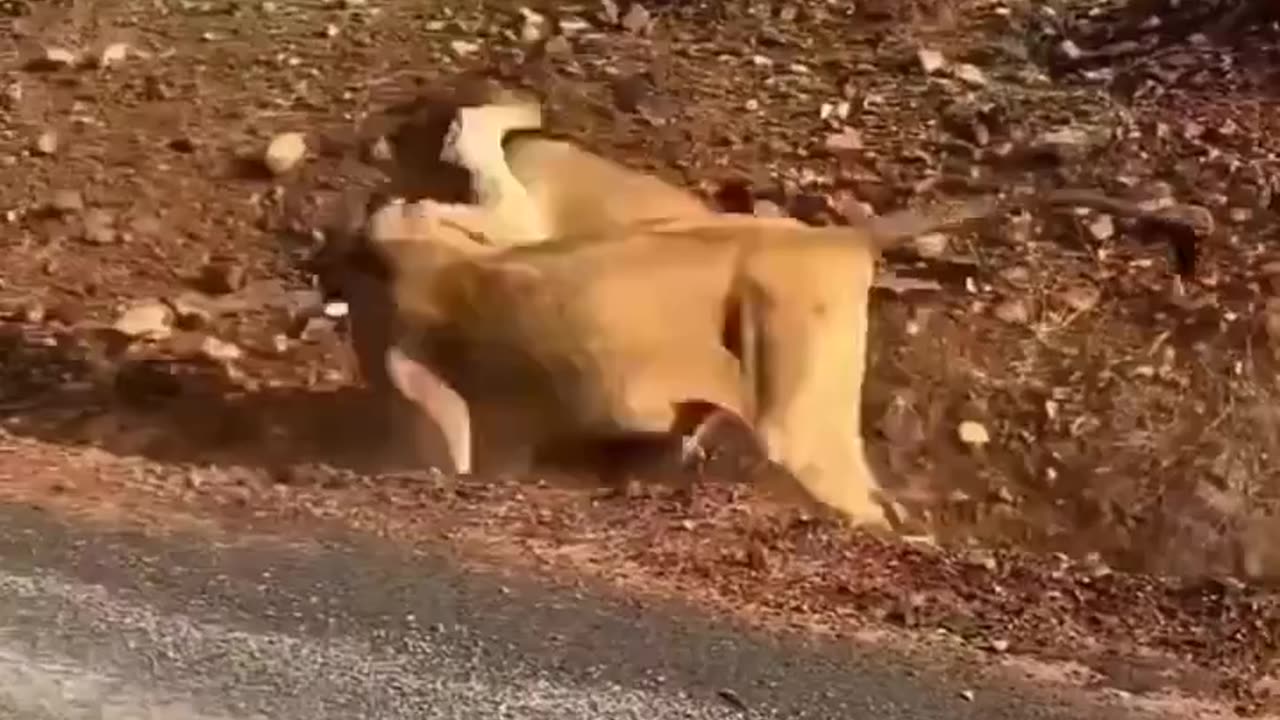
112 625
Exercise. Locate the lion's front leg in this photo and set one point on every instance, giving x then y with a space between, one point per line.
831 466
438 402
810 325
472 222
457 227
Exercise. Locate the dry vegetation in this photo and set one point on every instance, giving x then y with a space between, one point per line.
165 342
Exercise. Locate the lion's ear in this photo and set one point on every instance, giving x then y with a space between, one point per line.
435 398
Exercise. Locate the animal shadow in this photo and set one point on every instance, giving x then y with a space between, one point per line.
195 411
59 388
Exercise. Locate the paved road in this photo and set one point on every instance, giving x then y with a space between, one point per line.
114 626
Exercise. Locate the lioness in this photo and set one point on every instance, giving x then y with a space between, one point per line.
529 187
604 336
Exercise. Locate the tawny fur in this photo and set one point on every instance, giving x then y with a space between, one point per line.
595 337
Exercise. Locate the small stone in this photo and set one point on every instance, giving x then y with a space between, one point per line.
380 150
220 350
54 58
901 424
1014 312
316 329
610 12
193 311
931 61
32 312
846 140
1018 275
146 320
1102 228
1003 495
464 48
113 54
1082 297
336 310
1239 215
99 227
637 20
1145 372
1069 50
980 558
46 143
534 27
999 645
222 277
1065 143
931 245
66 202
973 433
332 31
558 45
285 152
968 74
13 95
147 226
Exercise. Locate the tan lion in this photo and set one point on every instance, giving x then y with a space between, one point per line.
604 337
